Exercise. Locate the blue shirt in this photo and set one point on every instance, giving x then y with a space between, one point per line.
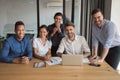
107 35
13 48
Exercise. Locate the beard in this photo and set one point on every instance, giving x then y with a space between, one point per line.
98 23
70 35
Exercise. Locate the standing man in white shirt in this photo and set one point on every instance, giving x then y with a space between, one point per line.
72 43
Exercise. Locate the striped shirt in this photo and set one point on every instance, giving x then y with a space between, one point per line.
107 35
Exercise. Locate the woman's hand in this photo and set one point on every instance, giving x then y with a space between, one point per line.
47 58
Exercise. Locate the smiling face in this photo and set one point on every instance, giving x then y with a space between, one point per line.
20 32
70 31
98 18
43 33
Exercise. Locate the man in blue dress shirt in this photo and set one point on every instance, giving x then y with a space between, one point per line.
105 32
17 48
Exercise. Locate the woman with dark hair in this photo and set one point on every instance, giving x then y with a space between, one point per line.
42 46
56 32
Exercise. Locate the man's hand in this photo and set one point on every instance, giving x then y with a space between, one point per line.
58 27
55 29
92 57
17 60
96 59
25 60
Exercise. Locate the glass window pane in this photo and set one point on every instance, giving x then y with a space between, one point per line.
77 15
68 9
68 13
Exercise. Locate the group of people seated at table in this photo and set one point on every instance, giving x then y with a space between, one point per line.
56 39
51 41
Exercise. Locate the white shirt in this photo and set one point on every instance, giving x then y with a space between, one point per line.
78 46
42 49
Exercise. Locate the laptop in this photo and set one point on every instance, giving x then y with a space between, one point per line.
72 60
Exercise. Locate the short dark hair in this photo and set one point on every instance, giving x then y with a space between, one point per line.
58 14
18 23
43 26
69 24
96 11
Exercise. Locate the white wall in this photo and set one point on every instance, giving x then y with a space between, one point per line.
115 15
25 10
47 12
14 10
2 17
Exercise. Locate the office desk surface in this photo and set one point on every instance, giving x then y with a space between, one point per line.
56 72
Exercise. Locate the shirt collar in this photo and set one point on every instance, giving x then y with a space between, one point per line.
41 40
103 22
73 40
17 39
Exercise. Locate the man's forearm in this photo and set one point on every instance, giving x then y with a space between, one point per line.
94 50
104 53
